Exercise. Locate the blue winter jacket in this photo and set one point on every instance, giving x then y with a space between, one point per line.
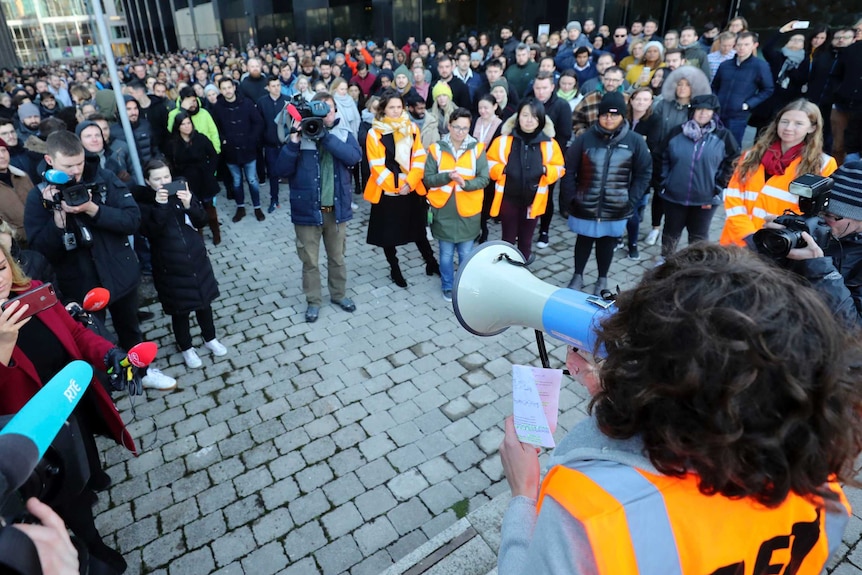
300 164
696 173
737 84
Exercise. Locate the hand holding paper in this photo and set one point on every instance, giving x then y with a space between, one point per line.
536 398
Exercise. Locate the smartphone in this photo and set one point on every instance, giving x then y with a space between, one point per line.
801 25
39 299
176 186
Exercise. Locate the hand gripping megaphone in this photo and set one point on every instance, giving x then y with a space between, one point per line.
495 290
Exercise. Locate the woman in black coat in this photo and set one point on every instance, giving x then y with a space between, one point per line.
193 157
182 273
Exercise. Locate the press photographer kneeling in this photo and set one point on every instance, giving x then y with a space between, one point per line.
831 261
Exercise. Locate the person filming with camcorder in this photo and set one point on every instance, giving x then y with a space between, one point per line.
823 241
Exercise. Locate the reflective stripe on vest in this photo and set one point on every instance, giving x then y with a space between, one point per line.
469 203
674 529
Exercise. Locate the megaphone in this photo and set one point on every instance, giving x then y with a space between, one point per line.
495 290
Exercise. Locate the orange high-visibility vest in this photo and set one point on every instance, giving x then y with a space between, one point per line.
498 157
747 205
469 203
639 523
382 180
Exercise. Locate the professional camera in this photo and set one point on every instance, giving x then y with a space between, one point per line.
68 191
308 117
813 193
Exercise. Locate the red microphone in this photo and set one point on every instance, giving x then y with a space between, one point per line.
141 355
96 299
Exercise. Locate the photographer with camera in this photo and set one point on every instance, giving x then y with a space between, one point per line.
317 164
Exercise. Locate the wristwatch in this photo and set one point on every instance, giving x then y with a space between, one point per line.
745 106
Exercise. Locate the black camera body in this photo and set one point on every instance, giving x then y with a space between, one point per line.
74 194
311 115
813 192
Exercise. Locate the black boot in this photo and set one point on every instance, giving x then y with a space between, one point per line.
394 268
431 265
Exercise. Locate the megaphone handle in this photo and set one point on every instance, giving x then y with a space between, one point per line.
543 351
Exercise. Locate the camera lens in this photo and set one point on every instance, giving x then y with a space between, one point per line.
776 243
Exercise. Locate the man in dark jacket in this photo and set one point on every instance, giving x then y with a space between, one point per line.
522 72
153 109
88 244
822 81
17 153
142 132
254 85
847 112
460 91
241 126
565 58
508 42
560 114
741 84
320 197
270 106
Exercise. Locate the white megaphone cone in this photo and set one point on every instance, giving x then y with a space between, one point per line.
495 290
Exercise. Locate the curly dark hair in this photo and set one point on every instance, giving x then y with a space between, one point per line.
729 367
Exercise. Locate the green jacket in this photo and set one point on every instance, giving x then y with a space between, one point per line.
202 121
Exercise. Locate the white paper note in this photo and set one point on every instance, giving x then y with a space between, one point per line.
536 399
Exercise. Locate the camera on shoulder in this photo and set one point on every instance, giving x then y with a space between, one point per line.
308 117
813 192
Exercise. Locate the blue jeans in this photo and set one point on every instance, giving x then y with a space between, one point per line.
634 223
250 171
737 127
447 260
271 154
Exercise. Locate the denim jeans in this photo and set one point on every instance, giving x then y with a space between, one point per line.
634 223
250 171
737 126
447 260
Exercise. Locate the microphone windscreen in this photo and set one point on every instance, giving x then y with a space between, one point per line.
18 458
143 354
96 299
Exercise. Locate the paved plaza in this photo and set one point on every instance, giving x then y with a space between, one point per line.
333 447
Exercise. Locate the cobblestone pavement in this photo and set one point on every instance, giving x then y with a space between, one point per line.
332 447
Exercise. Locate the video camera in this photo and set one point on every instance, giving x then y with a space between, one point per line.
308 117
813 193
74 194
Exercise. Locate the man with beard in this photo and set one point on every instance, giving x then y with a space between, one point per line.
201 119
253 86
460 91
29 118
141 131
523 71
241 126
153 108
493 72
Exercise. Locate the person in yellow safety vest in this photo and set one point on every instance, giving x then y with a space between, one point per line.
456 173
524 161
723 419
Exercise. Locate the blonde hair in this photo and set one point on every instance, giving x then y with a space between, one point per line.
812 151
20 281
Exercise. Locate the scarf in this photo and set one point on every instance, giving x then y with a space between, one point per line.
402 132
567 96
695 131
793 56
775 163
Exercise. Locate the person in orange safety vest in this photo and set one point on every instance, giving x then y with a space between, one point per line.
723 419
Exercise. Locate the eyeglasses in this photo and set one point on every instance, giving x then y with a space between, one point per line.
620 35
459 129
831 217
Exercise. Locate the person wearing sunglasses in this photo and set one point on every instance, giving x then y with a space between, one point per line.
836 270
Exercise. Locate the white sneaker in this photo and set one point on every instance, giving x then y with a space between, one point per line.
354 206
191 358
216 347
155 379
652 237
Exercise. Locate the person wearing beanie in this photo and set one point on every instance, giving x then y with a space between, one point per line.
640 73
15 184
437 116
189 102
445 74
565 58
608 170
505 105
836 269
28 120
697 163
586 112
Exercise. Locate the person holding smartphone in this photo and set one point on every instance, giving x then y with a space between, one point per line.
182 273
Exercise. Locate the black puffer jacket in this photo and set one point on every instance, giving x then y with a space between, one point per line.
182 272
838 277
606 174
195 161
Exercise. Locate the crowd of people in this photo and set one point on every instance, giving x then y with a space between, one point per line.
442 141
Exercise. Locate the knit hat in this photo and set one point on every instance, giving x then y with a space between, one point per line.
441 88
574 25
386 74
655 44
500 82
403 71
79 129
612 103
26 110
845 199
210 88
705 102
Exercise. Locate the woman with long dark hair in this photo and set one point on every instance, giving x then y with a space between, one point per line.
395 190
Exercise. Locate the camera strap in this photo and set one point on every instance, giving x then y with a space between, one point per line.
18 553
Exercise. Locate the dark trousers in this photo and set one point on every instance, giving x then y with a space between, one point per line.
271 154
487 201
737 127
517 229
124 315
695 219
634 223
182 327
604 253
545 219
656 209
